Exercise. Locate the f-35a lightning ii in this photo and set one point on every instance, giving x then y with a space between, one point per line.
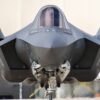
51 51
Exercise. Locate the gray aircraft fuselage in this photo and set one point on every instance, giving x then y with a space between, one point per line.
50 48
42 53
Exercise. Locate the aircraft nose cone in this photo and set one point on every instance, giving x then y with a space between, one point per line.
49 40
50 56
50 49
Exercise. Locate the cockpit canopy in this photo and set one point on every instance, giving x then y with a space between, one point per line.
50 16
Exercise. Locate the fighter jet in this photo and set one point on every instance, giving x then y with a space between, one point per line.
50 50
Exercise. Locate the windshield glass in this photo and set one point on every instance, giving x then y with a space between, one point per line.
51 17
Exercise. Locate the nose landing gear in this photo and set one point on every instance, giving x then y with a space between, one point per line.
50 79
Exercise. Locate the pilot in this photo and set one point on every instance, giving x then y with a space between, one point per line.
49 17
